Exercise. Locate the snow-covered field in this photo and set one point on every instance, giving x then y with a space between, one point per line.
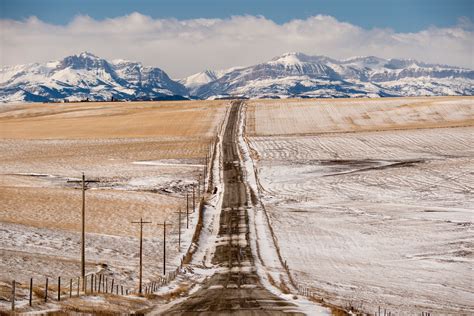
372 218
137 177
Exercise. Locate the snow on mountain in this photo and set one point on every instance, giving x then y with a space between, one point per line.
199 79
86 76
300 75
193 82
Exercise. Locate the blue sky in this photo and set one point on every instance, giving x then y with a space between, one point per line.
188 36
399 15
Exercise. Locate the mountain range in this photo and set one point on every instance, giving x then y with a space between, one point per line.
88 77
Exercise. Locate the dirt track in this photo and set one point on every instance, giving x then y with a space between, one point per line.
237 288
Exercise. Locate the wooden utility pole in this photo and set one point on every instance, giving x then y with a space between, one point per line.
205 175
199 187
59 288
46 291
13 295
194 200
179 230
31 292
84 184
83 236
141 222
187 210
164 246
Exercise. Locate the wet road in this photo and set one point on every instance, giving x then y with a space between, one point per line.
236 289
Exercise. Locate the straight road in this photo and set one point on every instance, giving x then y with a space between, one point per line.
237 288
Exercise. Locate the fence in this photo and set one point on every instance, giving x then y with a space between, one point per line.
50 289
154 285
309 293
99 282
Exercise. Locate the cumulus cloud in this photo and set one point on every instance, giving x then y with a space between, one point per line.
183 47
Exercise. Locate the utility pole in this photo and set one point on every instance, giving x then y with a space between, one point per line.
83 235
205 176
199 187
84 187
179 230
187 210
194 200
164 246
141 222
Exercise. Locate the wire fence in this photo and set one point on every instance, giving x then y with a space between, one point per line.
36 292
381 311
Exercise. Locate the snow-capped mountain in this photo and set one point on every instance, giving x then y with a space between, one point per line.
86 76
300 75
195 81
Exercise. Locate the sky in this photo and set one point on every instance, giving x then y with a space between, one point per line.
187 36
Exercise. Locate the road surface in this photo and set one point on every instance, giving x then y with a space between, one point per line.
237 289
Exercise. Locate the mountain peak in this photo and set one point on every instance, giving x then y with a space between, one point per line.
84 60
87 54
86 76
297 59
292 58
371 59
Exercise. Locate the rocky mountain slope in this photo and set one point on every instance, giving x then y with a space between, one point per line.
299 75
85 76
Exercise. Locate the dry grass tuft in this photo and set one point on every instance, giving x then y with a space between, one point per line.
38 292
179 291
283 287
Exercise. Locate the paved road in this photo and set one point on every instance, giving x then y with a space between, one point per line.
238 289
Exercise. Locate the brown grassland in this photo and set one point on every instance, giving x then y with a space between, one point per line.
318 116
103 140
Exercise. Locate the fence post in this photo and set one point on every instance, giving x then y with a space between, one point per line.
92 283
112 287
100 281
70 288
13 295
106 285
31 291
121 289
78 284
46 291
59 288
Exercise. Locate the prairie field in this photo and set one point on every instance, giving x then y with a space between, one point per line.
301 117
141 157
371 201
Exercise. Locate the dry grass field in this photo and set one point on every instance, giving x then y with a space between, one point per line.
144 156
306 117
110 120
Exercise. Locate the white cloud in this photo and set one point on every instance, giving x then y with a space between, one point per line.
183 47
